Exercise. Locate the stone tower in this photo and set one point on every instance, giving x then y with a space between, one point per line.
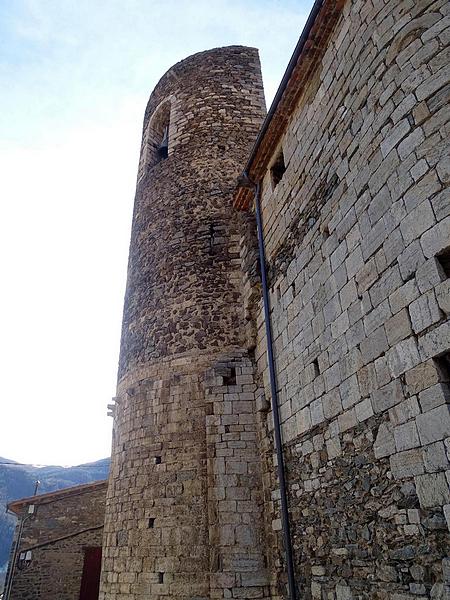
184 507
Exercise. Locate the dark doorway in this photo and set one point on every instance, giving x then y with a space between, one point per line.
90 581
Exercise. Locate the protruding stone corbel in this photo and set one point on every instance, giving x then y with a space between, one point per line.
112 407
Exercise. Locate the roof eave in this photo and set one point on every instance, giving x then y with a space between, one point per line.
303 63
16 506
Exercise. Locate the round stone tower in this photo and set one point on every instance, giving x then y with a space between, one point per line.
183 515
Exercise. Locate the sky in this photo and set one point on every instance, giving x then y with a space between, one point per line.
75 76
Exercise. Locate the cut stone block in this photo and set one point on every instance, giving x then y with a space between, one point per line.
434 425
403 356
387 396
435 458
384 443
406 436
434 396
407 464
432 490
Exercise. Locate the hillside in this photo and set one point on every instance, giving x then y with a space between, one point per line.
18 481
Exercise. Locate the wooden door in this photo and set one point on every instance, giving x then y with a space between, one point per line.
90 581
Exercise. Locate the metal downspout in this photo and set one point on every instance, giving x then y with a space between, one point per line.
274 401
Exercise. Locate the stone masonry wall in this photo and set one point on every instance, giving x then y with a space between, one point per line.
235 499
183 286
57 534
358 252
183 507
57 517
56 569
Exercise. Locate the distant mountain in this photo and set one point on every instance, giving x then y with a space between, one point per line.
18 481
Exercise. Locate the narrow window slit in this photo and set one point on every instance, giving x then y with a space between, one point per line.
151 523
443 364
157 460
160 577
315 364
444 260
231 378
278 169
163 147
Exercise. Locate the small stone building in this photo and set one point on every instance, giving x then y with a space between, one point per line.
58 556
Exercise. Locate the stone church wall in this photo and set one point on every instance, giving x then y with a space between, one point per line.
358 252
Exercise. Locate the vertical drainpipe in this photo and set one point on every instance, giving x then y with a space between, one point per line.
274 398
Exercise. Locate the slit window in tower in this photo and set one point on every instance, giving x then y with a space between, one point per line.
277 169
163 148
316 369
444 260
230 377
443 364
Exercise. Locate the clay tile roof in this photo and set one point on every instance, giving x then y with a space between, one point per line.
16 506
302 66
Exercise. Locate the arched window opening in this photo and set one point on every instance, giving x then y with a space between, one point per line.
156 140
158 135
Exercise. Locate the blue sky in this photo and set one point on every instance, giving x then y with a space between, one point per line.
75 77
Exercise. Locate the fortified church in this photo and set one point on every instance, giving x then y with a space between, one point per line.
281 425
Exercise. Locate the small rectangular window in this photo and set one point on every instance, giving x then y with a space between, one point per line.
277 169
443 364
444 261
316 369
230 377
